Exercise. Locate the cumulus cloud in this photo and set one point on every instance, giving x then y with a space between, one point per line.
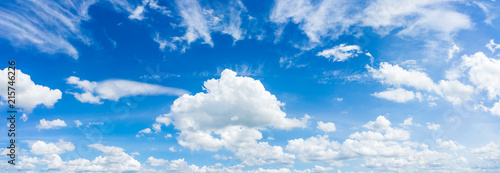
54 124
432 126
453 91
381 150
483 72
397 95
341 52
114 89
28 94
235 109
326 127
42 148
448 145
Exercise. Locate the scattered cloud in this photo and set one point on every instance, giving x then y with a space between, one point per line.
31 94
341 52
78 123
114 89
326 127
432 126
397 95
54 124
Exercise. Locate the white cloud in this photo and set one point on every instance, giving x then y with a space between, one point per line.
492 46
316 148
397 95
415 17
408 122
341 52
397 76
495 110
46 25
54 124
78 123
326 127
234 108
168 136
326 19
137 14
146 130
339 99
483 72
381 123
432 126
200 21
452 51
329 19
24 117
455 92
28 94
449 145
94 92
42 148
172 149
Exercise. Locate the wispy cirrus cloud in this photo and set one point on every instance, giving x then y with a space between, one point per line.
114 89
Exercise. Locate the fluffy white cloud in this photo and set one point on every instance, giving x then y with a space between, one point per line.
452 90
24 117
432 126
42 148
316 148
146 130
397 76
452 51
407 122
326 127
381 123
483 72
341 52
94 92
78 123
448 145
54 124
495 110
455 91
234 108
397 95
28 94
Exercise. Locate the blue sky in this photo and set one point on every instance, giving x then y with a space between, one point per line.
253 86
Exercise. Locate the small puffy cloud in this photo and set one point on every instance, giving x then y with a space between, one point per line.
326 127
28 94
168 136
54 124
137 14
495 110
448 145
397 95
381 123
78 123
42 148
114 89
339 99
432 126
24 117
407 122
341 52
146 130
